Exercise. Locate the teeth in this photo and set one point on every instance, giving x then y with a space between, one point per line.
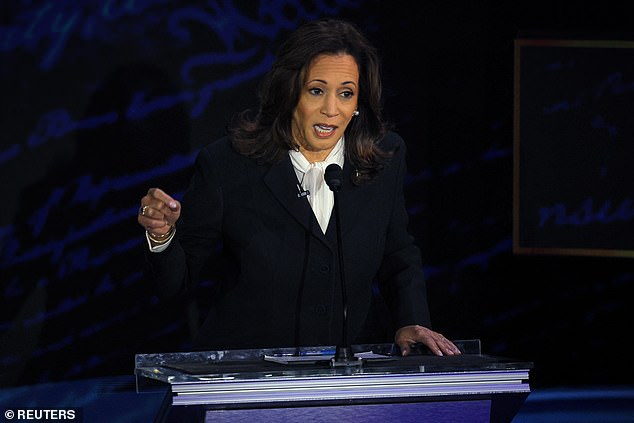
323 130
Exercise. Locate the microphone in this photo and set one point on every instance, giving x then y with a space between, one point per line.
344 356
333 175
301 192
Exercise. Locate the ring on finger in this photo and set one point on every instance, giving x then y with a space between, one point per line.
142 210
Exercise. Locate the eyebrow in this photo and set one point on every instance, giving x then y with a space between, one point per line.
326 83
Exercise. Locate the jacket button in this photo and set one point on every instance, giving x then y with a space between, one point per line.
320 310
324 268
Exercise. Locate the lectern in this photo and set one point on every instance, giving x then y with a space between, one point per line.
300 384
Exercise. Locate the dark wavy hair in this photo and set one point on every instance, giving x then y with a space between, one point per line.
268 136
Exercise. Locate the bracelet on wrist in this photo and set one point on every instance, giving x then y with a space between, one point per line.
161 239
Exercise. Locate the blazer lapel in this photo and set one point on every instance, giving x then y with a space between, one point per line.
282 182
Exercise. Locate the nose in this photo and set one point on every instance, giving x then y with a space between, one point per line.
329 106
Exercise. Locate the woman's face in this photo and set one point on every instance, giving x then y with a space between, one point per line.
326 104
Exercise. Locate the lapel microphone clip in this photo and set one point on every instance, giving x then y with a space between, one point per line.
302 192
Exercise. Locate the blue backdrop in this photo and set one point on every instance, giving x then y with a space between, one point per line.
103 99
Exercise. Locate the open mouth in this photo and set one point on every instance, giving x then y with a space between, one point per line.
324 131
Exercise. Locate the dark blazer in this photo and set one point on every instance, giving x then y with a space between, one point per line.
281 284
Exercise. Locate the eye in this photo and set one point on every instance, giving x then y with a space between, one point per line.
315 91
347 94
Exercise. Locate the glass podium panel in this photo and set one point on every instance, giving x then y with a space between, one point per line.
292 378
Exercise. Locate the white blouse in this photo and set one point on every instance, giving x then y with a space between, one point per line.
311 179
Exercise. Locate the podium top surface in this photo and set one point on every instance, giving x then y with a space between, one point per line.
310 362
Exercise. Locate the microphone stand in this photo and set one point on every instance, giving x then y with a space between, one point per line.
344 356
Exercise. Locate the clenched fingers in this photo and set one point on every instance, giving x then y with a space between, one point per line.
158 211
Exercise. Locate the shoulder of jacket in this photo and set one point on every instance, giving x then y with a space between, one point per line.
221 151
219 146
393 142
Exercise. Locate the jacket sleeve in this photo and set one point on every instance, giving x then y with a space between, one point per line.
197 232
400 276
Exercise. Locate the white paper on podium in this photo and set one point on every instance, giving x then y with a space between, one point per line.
315 358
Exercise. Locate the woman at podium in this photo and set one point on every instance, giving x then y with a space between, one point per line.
260 194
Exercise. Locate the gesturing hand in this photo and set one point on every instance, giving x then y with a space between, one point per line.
158 212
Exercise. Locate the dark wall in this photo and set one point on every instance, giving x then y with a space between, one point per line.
100 102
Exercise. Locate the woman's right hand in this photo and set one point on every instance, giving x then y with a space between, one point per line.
158 212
